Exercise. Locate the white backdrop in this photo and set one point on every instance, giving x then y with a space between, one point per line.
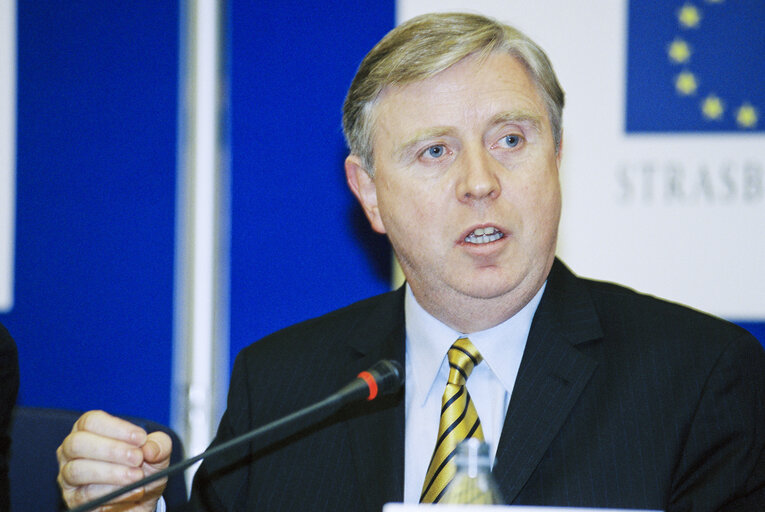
7 149
624 216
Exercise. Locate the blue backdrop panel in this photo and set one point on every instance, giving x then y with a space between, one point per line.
725 44
300 247
97 109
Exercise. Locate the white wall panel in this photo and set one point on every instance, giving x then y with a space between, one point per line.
7 149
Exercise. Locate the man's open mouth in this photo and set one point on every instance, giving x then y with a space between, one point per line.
484 235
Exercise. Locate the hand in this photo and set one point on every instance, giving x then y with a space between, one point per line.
103 453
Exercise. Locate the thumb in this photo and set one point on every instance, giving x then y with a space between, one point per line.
157 449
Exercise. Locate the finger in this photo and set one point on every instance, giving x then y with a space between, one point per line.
87 493
143 498
157 452
104 424
157 449
84 472
86 445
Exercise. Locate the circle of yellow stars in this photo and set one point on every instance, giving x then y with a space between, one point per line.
713 108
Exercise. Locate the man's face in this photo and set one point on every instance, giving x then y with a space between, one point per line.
465 186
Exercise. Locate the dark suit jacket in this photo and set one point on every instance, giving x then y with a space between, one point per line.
621 401
9 385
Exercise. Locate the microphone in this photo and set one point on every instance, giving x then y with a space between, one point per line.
383 378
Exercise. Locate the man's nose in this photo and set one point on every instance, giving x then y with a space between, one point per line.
478 176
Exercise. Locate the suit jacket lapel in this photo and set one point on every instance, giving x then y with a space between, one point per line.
551 377
376 429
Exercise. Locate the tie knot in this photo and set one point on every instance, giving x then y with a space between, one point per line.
463 356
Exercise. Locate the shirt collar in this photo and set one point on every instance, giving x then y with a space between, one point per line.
429 339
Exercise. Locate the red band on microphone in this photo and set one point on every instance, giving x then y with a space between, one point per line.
371 382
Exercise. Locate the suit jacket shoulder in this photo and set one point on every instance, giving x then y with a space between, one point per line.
622 307
338 462
358 325
644 403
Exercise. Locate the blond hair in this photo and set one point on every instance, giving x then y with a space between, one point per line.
428 44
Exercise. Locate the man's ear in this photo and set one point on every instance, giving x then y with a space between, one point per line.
363 187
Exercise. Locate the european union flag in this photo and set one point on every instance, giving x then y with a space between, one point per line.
696 65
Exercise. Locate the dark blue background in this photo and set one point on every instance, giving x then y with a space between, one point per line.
295 250
97 115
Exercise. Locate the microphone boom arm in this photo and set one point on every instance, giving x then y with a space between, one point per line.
386 376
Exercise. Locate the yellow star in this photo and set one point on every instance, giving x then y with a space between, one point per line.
679 51
712 107
689 16
746 116
685 83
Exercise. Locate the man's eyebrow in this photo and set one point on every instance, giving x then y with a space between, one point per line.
519 117
405 147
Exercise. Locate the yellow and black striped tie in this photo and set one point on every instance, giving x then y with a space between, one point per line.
459 420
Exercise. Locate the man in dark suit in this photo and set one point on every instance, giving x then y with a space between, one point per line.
590 394
9 386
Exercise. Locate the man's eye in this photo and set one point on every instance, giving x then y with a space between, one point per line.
435 151
511 141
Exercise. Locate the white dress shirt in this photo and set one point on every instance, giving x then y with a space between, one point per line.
427 370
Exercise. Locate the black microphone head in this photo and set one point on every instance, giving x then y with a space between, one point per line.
389 376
